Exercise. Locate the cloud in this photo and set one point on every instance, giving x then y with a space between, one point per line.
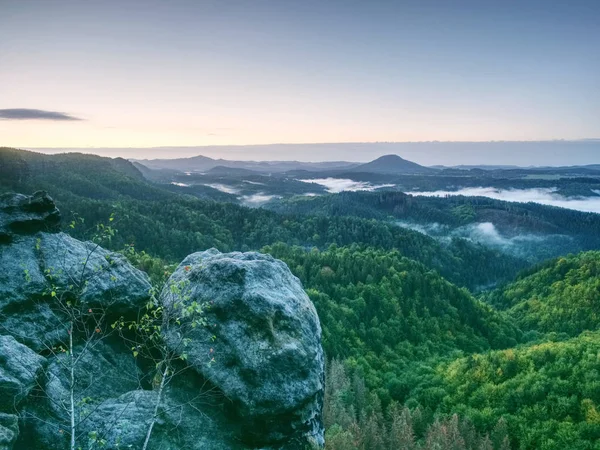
523 245
336 185
257 199
223 188
35 114
544 196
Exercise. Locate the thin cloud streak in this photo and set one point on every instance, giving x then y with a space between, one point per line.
35 114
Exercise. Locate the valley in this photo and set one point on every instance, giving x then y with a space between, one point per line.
449 311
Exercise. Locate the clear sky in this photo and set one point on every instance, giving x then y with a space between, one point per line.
192 72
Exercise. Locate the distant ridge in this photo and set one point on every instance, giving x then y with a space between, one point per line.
392 164
225 170
204 163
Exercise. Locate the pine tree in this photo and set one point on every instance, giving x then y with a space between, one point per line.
486 443
500 433
505 444
437 437
401 432
455 439
469 434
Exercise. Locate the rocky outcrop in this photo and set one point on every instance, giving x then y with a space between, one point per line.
251 374
264 335
20 369
34 263
26 214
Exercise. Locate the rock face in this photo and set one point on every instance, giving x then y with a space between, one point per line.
265 337
253 371
20 369
34 263
23 214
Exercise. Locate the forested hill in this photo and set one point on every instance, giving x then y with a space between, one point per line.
516 367
171 225
562 295
384 312
547 393
453 211
528 230
543 394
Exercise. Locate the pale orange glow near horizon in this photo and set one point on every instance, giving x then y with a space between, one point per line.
159 133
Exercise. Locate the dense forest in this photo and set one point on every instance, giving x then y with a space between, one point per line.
521 226
431 343
382 312
561 295
171 226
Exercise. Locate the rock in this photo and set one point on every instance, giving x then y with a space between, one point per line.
35 265
110 281
124 421
22 214
106 370
9 431
267 343
20 368
264 388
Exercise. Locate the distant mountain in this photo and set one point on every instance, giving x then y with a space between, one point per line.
225 170
204 163
392 164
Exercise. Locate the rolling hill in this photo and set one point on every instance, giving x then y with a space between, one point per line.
392 164
171 224
562 295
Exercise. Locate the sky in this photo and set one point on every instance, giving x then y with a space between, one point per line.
152 73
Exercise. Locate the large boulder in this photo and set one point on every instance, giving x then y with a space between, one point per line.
106 370
190 417
36 263
250 375
20 368
26 214
264 335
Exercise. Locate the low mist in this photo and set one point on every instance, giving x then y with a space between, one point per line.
336 185
544 196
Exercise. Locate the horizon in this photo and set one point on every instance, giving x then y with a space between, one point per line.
429 153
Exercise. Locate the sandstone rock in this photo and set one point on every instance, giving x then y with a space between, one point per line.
263 390
267 343
181 424
110 281
20 367
106 370
20 370
26 214
34 265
